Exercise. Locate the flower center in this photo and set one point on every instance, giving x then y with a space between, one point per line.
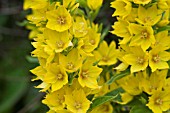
60 44
105 58
140 60
144 34
147 19
92 41
61 20
59 76
70 65
78 105
158 101
156 58
84 74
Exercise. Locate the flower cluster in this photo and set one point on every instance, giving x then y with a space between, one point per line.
144 48
81 73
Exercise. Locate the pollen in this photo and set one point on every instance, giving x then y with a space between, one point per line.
105 58
92 41
59 76
70 65
144 34
140 60
61 20
78 105
84 74
158 101
60 44
156 58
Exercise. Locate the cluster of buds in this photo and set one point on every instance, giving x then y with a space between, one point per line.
81 73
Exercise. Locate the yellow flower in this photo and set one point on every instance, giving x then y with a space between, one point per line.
143 2
80 27
89 42
88 75
162 39
57 41
72 62
77 102
148 16
92 4
154 82
38 17
133 14
159 101
68 3
35 4
123 8
158 58
121 29
59 19
164 4
165 18
104 108
138 59
131 85
126 97
56 76
106 55
143 36
55 100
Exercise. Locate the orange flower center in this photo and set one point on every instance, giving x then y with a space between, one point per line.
144 34
78 105
70 65
60 44
59 76
140 60
158 101
156 58
61 20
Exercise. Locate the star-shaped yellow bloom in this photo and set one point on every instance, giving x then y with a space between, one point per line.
159 101
77 102
106 54
143 36
59 19
138 59
72 62
148 16
158 58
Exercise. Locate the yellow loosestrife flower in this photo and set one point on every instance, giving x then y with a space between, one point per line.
138 59
59 19
56 76
93 4
143 36
57 41
106 54
80 27
148 16
158 58
123 8
121 29
35 4
88 75
55 100
77 102
72 62
143 2
159 101
154 82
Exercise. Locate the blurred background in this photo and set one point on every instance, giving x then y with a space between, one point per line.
17 92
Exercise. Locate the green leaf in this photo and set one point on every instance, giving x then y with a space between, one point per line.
140 109
117 76
100 100
163 29
111 96
31 59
